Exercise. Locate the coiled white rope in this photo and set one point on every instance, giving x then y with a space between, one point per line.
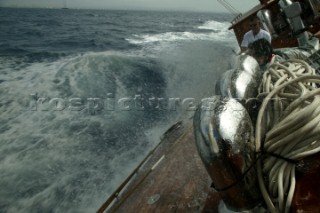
288 125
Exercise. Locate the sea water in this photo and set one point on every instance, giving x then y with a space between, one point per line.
85 94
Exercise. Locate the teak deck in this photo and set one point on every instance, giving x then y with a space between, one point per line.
178 183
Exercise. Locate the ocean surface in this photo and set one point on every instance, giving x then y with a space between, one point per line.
86 94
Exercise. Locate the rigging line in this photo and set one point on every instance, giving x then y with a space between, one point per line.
226 6
232 11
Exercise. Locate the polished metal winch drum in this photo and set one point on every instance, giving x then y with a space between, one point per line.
225 141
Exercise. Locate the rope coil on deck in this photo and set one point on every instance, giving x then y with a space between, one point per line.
288 125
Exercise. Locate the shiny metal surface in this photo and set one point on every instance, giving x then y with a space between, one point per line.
224 139
223 85
284 3
245 78
293 12
265 18
241 82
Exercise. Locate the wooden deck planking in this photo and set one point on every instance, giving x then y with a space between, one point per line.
179 183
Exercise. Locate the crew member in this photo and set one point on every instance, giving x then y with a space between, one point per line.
254 34
262 51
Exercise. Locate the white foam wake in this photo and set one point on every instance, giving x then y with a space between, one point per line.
215 25
180 36
219 32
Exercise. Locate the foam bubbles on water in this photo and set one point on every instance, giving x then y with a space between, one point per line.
220 34
65 160
215 25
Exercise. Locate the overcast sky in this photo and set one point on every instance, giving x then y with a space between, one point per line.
191 5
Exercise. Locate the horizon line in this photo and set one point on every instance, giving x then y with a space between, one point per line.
117 9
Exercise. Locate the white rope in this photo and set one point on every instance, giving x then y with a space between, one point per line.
289 124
